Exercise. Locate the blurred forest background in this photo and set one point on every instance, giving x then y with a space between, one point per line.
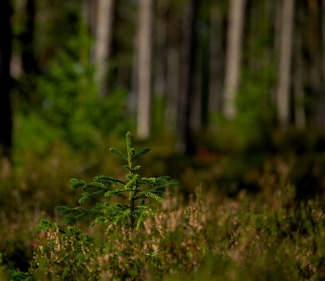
222 92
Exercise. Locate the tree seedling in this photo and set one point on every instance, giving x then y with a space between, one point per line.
134 210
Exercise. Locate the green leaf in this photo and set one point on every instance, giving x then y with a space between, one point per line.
126 213
64 210
87 195
118 153
137 168
172 183
116 193
126 167
163 179
97 185
121 206
158 191
129 141
75 183
108 180
154 196
140 221
142 200
142 152
151 181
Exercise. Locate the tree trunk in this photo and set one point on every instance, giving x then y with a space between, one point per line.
104 32
298 84
320 119
185 143
195 115
144 68
172 73
323 41
27 40
216 63
315 71
161 47
5 80
283 91
234 54
172 87
133 94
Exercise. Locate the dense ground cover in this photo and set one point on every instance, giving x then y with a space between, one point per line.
263 234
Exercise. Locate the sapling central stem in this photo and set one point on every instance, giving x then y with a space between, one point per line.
132 194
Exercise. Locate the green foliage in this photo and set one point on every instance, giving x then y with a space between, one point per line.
266 235
64 104
131 213
19 276
77 110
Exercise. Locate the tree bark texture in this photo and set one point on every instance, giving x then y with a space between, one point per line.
315 71
187 68
161 48
27 40
298 83
104 32
5 79
320 102
234 55
172 87
284 80
216 62
144 68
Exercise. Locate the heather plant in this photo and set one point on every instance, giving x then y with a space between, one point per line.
63 254
232 240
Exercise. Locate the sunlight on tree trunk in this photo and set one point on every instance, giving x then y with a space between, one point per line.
104 31
283 93
234 54
144 68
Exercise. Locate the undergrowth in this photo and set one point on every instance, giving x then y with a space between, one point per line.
231 240
267 236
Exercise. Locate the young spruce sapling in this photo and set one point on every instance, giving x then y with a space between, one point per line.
134 211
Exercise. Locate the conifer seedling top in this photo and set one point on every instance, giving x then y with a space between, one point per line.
134 210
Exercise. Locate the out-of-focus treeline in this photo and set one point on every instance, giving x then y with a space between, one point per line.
212 77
